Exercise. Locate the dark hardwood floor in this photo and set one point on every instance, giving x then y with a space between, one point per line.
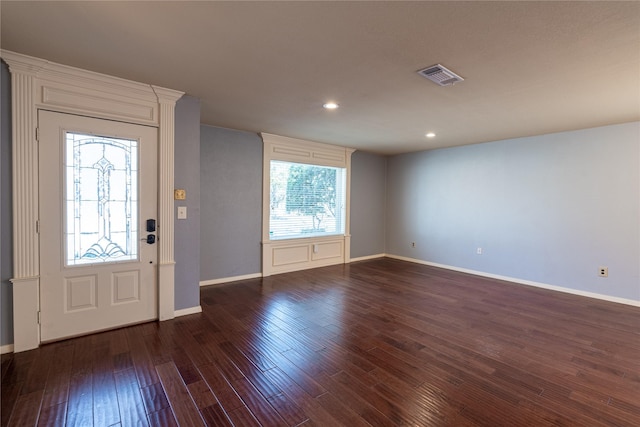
379 343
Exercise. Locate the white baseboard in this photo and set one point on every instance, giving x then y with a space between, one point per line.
8 348
368 257
230 279
523 282
187 311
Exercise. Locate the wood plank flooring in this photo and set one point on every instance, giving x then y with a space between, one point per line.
374 343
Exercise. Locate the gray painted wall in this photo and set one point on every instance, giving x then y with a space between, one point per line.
6 257
549 209
187 176
230 202
368 204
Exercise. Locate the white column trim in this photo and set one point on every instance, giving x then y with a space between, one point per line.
166 295
26 249
347 214
25 169
37 83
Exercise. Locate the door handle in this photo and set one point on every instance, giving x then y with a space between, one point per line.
150 239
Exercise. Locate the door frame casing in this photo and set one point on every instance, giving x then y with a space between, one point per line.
41 84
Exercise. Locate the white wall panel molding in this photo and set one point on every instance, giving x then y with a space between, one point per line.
301 254
40 84
301 151
85 102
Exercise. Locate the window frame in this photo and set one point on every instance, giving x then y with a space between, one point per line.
312 153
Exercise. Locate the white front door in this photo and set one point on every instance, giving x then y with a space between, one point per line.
98 205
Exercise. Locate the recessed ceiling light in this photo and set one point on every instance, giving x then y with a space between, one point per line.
330 105
430 135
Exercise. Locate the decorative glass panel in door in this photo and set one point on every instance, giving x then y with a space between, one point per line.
101 206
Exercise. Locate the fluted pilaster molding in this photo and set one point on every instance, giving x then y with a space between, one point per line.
166 100
347 213
25 167
26 264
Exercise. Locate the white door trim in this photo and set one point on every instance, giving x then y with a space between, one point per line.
40 84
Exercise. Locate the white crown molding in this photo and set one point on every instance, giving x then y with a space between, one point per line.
166 96
51 71
38 83
23 64
298 150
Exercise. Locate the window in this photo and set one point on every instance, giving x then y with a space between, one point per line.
101 199
306 200
305 204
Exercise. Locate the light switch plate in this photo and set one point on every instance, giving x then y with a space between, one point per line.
182 212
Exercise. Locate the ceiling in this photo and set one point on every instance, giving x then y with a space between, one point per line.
530 68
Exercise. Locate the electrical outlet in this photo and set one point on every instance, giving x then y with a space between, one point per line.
603 271
479 251
413 244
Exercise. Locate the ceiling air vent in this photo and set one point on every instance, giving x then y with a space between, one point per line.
440 75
